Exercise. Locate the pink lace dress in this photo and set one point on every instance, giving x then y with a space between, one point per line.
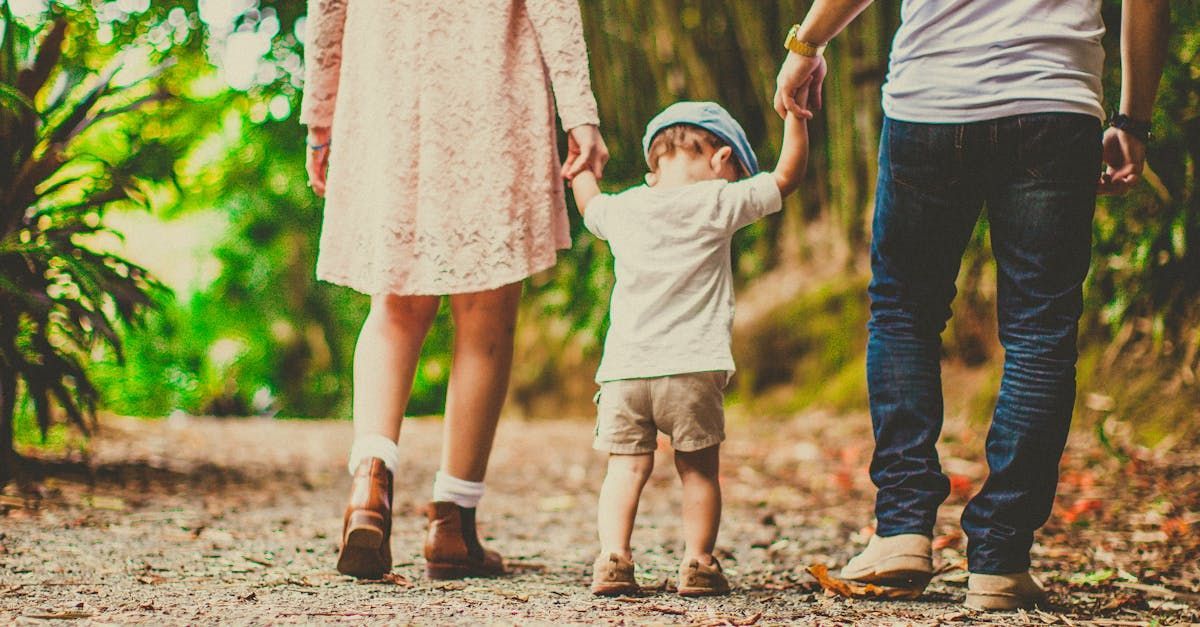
444 173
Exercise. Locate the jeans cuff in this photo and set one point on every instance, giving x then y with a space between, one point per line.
997 561
885 530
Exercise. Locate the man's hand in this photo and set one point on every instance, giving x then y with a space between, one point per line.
1124 157
317 162
798 86
585 151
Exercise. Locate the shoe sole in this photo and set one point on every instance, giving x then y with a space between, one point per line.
999 602
361 554
615 589
898 572
909 579
447 570
701 592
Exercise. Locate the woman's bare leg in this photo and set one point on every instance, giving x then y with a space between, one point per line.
385 361
484 324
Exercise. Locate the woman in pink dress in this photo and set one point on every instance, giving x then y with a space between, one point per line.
432 138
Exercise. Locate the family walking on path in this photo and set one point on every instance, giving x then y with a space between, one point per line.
432 138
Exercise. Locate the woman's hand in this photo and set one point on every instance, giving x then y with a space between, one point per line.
317 162
585 151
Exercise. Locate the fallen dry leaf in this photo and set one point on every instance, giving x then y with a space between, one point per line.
1081 508
69 615
961 486
1176 527
111 503
666 609
856 590
398 579
261 561
715 619
950 540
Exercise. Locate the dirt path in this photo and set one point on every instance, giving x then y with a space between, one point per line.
200 521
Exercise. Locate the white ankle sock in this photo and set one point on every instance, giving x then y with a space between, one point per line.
374 445
458 491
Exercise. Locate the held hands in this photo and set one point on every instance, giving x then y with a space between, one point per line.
798 86
585 151
317 161
1124 157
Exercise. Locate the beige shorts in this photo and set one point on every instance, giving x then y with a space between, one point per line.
690 408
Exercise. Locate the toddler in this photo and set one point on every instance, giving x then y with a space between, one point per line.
666 358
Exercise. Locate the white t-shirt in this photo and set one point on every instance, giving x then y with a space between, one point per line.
672 305
971 60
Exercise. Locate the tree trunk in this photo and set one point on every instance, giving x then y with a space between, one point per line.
9 460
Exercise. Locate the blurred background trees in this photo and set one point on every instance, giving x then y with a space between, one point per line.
68 154
228 222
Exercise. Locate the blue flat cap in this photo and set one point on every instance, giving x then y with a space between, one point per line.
711 117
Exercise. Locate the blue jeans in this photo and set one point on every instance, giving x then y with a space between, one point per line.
1037 175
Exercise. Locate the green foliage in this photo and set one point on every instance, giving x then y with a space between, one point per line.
812 345
1146 271
63 162
262 335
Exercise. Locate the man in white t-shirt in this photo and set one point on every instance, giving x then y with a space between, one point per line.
994 104
667 357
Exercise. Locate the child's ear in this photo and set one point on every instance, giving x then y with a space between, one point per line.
651 179
720 157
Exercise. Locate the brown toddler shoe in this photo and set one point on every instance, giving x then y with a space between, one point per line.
697 579
612 575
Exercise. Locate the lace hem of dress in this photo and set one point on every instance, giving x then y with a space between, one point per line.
418 288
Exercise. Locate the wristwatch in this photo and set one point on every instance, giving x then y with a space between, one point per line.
1138 128
802 48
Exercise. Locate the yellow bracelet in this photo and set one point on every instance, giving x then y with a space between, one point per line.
802 48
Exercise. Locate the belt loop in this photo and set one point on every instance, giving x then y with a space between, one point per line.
959 131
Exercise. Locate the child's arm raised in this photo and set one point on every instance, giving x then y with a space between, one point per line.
793 158
585 188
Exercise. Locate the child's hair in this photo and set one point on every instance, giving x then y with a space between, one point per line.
685 137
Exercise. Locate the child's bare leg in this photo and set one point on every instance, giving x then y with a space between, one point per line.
699 471
619 496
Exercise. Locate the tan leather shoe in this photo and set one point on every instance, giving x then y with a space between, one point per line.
903 561
697 579
452 548
366 550
612 575
1004 592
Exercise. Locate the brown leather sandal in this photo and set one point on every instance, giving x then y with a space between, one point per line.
452 548
366 550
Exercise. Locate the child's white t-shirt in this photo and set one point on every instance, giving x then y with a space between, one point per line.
672 305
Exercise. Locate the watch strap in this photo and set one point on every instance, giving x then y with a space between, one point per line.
1138 128
800 47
